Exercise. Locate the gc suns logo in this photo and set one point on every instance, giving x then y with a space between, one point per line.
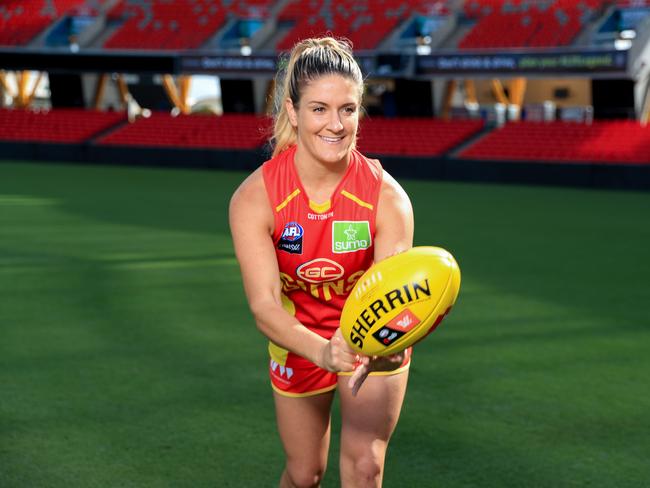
291 238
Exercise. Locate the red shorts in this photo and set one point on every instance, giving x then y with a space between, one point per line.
294 376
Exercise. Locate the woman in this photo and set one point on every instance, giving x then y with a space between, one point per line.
317 215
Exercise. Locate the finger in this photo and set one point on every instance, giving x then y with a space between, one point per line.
357 379
396 358
344 361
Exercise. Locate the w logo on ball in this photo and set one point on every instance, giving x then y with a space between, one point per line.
404 321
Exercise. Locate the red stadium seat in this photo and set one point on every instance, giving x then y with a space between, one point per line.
414 136
603 141
231 131
22 20
175 24
60 125
364 22
527 24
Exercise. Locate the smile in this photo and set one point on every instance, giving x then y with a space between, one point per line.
332 140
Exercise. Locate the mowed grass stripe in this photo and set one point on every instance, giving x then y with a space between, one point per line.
128 356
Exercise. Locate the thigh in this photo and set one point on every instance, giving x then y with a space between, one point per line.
304 428
369 419
376 408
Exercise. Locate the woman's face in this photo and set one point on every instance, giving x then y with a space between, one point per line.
326 118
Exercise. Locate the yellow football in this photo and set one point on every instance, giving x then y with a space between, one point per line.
399 300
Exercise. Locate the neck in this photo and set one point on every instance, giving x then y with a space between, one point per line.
319 179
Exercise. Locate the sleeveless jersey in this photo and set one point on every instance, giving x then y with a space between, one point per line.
322 249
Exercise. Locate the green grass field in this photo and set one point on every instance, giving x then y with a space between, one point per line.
128 357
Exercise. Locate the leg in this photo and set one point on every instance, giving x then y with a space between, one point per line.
304 427
367 422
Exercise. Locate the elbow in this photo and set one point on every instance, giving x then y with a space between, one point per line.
260 310
256 308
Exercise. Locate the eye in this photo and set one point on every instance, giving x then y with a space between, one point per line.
319 109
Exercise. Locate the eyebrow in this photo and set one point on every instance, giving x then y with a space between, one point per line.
317 102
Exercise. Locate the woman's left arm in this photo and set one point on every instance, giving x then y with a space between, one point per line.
393 235
394 224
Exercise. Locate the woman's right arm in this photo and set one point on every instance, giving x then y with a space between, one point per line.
251 225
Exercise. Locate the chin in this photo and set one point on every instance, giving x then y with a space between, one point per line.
334 155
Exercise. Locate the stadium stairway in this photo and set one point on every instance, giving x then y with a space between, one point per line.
476 136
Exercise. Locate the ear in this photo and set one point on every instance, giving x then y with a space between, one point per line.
291 112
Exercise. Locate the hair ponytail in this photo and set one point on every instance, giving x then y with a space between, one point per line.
309 59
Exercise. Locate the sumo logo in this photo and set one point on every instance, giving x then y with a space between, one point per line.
320 270
350 236
291 238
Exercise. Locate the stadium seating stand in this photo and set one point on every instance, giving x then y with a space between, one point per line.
22 20
62 125
619 141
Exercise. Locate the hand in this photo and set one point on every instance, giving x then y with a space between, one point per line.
337 355
374 363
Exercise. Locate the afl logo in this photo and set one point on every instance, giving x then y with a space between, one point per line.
320 270
292 232
291 238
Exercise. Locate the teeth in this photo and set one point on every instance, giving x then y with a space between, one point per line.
331 139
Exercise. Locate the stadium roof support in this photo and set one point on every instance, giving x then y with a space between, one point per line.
4 85
100 90
450 89
23 96
645 111
499 92
178 95
514 98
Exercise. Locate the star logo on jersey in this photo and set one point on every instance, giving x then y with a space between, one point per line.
350 236
350 233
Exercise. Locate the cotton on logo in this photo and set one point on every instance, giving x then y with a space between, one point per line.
404 321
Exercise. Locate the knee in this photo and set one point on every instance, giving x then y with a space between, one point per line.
367 471
304 476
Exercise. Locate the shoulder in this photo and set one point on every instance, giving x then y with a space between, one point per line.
250 203
395 226
251 187
390 188
372 167
392 194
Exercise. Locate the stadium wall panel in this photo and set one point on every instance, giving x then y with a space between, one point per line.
584 174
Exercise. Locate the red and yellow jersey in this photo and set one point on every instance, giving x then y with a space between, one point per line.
322 249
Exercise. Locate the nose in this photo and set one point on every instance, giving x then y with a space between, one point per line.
335 124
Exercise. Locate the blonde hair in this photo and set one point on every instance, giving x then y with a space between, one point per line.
309 59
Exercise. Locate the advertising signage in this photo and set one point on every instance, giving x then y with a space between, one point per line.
564 62
555 62
228 64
